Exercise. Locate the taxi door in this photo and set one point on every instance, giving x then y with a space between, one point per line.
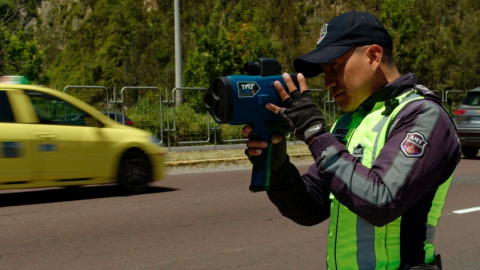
71 146
15 159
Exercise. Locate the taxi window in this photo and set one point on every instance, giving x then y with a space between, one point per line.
6 113
55 111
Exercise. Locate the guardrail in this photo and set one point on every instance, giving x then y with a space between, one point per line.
327 103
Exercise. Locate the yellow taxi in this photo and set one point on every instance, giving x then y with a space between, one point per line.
51 139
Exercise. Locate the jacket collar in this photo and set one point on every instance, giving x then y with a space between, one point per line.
390 91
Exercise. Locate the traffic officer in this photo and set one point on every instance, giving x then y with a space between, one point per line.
383 171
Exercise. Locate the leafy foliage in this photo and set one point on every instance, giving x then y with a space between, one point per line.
436 40
20 53
127 42
116 43
222 48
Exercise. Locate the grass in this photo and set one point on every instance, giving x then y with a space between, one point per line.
297 149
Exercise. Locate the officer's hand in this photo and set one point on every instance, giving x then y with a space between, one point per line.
301 113
279 148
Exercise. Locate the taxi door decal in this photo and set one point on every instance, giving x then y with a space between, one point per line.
47 147
12 149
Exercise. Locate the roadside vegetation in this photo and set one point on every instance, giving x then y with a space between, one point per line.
131 43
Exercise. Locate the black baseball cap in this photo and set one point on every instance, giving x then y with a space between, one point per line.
338 36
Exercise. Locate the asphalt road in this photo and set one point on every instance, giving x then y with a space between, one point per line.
194 220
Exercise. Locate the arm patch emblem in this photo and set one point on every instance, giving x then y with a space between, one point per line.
413 145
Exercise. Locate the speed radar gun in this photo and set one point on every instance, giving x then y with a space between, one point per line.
241 99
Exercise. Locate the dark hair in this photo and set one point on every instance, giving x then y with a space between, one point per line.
387 58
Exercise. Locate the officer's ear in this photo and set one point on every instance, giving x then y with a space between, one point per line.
374 54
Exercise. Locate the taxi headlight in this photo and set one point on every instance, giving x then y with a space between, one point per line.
154 140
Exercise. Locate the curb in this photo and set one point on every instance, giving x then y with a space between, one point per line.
217 160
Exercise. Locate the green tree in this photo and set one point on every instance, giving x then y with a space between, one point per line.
20 55
409 51
19 51
222 47
437 40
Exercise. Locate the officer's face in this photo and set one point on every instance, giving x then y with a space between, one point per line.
349 78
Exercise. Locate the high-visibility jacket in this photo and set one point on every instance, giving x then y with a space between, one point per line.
381 176
353 242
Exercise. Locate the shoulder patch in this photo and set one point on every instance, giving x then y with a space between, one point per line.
422 88
413 145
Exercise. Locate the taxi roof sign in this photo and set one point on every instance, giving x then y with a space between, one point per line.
14 79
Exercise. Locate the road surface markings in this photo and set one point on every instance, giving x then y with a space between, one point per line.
463 211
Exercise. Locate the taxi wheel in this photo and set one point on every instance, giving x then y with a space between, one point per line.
134 172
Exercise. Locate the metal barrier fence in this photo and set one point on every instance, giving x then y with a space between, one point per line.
213 138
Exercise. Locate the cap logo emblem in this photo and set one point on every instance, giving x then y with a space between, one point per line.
323 33
413 145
